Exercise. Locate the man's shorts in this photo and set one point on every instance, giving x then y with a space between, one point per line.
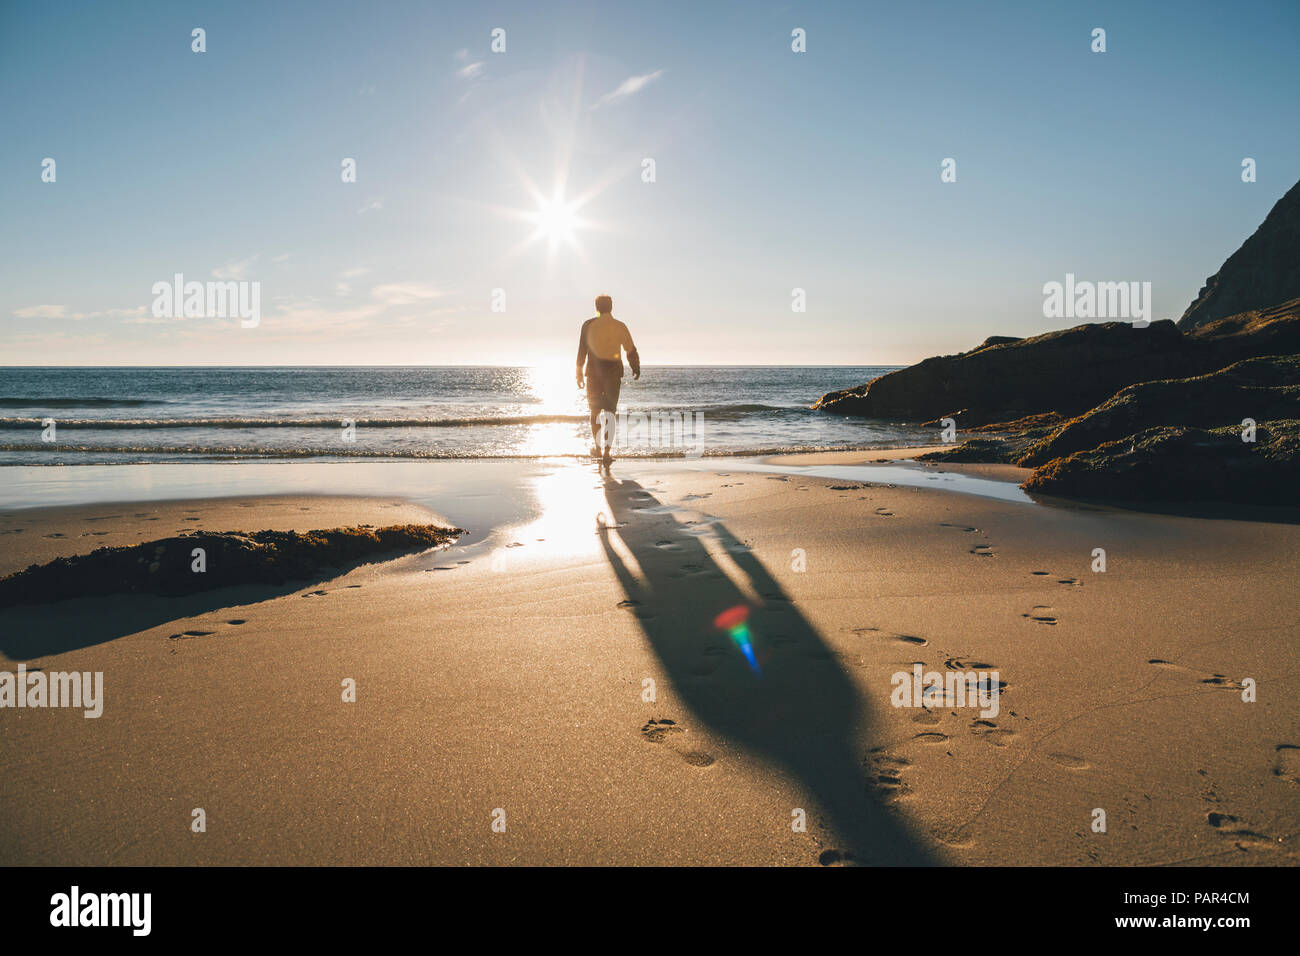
604 379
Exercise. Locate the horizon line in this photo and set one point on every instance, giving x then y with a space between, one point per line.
663 365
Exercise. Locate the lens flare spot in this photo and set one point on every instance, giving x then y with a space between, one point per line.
735 622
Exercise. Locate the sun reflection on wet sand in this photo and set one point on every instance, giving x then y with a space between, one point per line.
572 511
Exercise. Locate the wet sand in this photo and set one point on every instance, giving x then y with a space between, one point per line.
507 679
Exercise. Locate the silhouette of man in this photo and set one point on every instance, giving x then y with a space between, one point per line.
600 346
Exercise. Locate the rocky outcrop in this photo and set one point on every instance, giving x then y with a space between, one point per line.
1182 464
1066 372
1262 390
165 566
1262 273
1110 411
1271 331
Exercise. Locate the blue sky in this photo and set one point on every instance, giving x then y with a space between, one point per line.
774 170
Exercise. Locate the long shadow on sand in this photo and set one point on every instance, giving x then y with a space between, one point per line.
799 711
29 631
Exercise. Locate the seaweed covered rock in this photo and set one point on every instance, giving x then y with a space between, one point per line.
166 566
1260 389
1183 464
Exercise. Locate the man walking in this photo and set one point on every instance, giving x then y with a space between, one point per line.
601 343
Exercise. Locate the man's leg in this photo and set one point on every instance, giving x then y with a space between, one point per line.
604 430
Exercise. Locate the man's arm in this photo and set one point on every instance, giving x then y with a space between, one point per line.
633 359
582 350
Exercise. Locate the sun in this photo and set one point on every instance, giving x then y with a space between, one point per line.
556 221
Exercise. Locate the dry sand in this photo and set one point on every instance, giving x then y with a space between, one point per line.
510 676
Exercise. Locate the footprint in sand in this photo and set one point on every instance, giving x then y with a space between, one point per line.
884 512
1069 761
905 638
315 594
190 635
56 534
886 773
1216 680
1042 614
1234 829
1220 680
638 610
990 731
1072 582
960 527
663 730
187 635
836 858
1287 765
931 737
706 667
657 731
665 545
983 550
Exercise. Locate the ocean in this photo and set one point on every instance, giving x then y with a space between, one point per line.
151 415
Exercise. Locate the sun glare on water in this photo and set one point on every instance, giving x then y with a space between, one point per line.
555 389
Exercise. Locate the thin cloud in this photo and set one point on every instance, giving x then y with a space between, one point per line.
61 312
43 312
471 69
404 293
629 87
233 270
344 284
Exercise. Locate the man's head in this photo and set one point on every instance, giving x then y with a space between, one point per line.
604 304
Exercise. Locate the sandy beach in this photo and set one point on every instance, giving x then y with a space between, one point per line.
564 674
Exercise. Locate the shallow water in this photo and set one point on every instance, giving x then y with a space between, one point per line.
136 415
479 495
